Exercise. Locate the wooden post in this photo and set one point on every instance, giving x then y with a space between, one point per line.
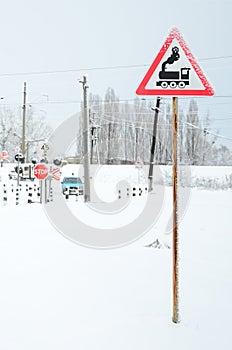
175 317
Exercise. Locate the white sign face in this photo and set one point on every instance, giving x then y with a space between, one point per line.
175 71
44 148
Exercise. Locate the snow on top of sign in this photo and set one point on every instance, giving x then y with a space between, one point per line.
175 33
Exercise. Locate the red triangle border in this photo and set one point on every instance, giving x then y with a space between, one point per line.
175 34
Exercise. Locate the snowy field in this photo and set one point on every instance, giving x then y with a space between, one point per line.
56 294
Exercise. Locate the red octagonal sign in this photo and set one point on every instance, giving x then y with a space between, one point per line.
41 171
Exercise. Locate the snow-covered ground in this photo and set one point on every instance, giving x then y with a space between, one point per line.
56 294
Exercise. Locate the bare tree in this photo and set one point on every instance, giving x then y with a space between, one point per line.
222 156
7 125
111 113
11 129
193 134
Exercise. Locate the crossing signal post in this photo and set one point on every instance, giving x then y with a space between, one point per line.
19 157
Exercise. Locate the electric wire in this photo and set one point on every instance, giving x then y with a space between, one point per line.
75 70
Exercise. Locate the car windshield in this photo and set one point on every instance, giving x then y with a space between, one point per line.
72 180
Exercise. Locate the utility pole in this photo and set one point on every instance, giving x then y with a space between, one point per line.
27 157
98 156
94 139
125 145
109 141
93 127
86 142
24 119
150 175
136 144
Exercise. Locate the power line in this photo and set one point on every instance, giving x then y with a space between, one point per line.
205 130
215 58
75 70
166 127
113 102
66 102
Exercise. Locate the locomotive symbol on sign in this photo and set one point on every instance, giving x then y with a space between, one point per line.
173 78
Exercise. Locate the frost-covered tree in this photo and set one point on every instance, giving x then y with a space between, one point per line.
111 114
193 134
8 123
222 156
124 133
11 130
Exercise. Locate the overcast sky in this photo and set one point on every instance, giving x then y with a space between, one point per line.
52 35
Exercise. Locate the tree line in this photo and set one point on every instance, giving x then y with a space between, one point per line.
121 133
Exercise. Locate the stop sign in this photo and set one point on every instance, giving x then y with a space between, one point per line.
41 171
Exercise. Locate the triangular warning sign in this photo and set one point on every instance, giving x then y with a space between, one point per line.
175 72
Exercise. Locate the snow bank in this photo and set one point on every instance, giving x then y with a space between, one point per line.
58 295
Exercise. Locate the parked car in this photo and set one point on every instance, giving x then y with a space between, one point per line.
72 185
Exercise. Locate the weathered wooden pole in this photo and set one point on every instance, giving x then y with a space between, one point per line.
175 317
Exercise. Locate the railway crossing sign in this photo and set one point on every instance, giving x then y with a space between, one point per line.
55 174
19 157
175 71
41 171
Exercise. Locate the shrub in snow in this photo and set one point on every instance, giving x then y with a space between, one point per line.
158 245
224 183
185 179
